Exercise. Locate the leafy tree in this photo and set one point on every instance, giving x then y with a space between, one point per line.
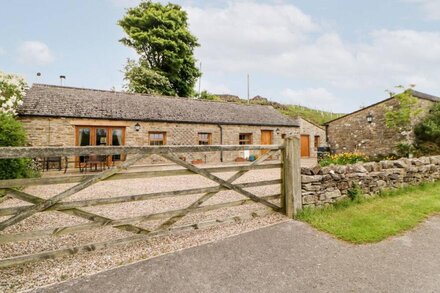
160 35
142 79
12 91
402 119
427 132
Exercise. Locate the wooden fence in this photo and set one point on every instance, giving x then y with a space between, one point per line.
290 196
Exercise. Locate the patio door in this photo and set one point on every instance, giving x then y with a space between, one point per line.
100 136
117 139
83 138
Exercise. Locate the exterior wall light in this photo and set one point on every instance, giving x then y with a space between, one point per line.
278 131
137 127
370 118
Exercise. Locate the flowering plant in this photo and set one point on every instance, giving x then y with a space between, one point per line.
344 159
12 91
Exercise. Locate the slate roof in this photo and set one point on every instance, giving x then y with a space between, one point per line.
60 101
416 94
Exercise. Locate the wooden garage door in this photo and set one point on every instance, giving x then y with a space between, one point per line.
266 138
305 146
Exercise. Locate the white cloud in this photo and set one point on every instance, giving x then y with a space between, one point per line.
233 36
215 88
430 7
318 98
280 39
35 53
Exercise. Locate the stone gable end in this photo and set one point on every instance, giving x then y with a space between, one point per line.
352 133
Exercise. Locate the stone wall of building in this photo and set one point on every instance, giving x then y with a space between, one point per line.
353 133
313 131
44 131
326 185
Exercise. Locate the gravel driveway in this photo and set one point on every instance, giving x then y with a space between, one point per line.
287 257
46 272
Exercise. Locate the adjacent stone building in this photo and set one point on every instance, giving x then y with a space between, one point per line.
312 137
365 130
67 116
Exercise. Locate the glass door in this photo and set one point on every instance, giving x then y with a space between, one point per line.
117 140
101 136
84 139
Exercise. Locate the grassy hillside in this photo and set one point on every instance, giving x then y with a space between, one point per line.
313 115
293 111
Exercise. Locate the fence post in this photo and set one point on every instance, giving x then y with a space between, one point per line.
291 190
283 178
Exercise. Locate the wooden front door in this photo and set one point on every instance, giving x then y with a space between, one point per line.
266 138
305 146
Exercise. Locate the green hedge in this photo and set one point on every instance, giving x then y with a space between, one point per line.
12 134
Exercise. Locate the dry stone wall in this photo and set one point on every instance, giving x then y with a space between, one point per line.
326 185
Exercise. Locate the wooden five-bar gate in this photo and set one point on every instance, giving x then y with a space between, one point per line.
290 195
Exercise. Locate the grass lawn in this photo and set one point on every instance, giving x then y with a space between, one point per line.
374 219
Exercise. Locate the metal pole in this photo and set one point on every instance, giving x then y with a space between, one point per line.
62 77
248 96
200 80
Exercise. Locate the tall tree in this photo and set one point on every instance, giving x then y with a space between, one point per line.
142 79
160 35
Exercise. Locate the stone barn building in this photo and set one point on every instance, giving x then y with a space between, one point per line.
68 116
365 130
312 136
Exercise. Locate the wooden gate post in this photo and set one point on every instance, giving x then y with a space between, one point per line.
3 196
291 189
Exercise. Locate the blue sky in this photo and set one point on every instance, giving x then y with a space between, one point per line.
333 55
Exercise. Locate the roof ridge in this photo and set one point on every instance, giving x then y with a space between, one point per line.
417 94
423 95
81 88
143 94
309 121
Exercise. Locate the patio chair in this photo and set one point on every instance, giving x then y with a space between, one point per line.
95 161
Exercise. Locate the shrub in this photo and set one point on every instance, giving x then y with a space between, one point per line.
427 132
405 149
205 95
12 134
343 159
355 192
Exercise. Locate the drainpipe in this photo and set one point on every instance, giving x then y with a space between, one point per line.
221 141
48 134
327 142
